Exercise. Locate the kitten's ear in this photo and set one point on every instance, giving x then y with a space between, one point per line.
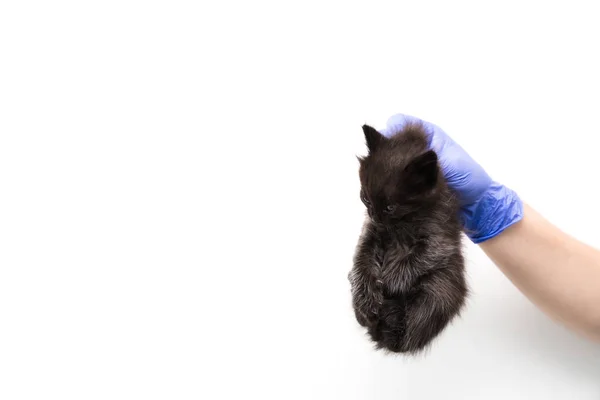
374 138
422 172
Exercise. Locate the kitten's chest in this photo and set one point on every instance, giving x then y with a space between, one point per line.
400 266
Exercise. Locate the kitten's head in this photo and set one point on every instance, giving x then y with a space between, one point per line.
399 176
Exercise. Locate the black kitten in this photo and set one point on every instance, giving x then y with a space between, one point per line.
408 276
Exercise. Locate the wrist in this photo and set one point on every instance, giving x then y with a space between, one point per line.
495 210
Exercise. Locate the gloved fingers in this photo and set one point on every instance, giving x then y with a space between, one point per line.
437 137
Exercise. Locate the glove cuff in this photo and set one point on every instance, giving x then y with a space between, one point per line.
497 209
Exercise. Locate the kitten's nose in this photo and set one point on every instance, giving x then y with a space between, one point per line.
373 216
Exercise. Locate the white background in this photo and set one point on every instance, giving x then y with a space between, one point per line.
179 193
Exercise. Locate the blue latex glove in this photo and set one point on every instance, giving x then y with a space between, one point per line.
487 207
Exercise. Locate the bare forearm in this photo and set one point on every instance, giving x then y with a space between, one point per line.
558 273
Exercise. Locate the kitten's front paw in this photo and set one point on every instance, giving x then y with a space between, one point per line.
367 297
368 308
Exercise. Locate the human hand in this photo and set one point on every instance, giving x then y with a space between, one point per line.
487 207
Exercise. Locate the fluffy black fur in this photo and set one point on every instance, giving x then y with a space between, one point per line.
408 276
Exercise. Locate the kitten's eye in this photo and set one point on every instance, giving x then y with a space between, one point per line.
390 209
364 199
